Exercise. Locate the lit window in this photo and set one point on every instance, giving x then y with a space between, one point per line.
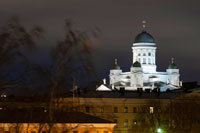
149 54
151 110
134 122
125 109
102 109
126 123
134 110
3 95
87 109
115 110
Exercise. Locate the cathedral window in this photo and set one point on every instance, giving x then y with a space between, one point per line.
144 54
139 54
144 60
149 54
149 60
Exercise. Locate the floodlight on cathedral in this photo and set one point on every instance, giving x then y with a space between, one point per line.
143 73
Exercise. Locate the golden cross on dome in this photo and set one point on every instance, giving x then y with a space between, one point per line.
115 61
172 60
144 24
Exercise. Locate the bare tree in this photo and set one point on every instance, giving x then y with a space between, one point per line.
69 59
13 38
184 114
149 117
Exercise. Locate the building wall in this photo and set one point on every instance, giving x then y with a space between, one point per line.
146 56
123 111
57 128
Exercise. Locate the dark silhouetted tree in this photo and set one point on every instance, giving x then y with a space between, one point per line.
13 38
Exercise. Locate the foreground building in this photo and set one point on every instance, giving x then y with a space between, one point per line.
142 112
24 119
104 112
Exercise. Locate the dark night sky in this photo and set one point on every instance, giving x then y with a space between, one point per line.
173 23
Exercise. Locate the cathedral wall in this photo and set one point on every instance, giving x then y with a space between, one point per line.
156 77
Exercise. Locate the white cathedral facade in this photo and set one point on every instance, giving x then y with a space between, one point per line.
143 74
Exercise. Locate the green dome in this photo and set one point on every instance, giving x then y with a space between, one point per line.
136 64
172 65
144 37
116 66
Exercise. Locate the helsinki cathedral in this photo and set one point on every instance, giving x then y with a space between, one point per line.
143 74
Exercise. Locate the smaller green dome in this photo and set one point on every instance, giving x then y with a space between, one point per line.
172 65
136 64
116 66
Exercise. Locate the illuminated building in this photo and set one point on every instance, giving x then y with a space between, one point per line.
135 112
23 120
143 72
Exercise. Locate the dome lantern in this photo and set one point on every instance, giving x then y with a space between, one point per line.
116 66
144 37
136 64
172 65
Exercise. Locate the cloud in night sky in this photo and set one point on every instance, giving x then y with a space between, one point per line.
173 23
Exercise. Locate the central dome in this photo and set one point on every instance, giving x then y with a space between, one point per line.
144 37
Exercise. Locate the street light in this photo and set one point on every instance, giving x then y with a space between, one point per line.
159 130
